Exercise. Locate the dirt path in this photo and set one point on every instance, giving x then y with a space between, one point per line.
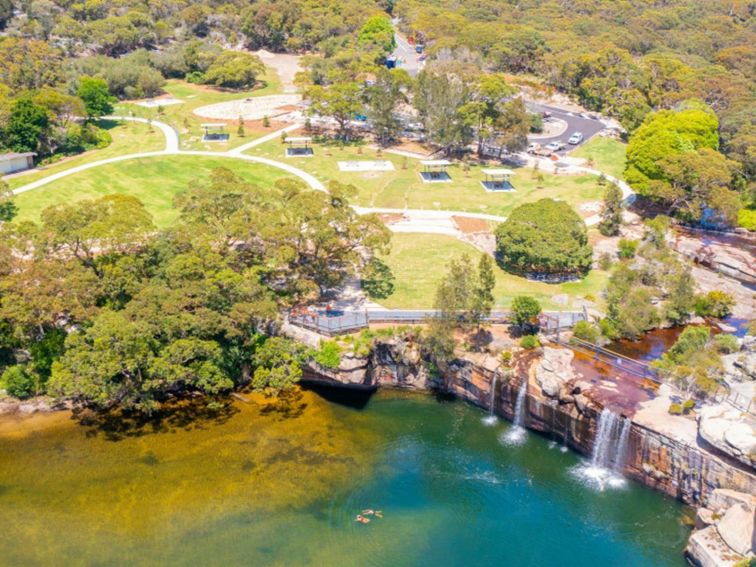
287 66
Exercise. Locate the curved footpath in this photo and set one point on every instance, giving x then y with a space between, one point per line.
414 220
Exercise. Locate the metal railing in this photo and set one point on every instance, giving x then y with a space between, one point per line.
334 322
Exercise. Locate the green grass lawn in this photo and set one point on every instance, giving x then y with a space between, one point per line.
403 188
419 261
153 180
608 155
183 119
128 138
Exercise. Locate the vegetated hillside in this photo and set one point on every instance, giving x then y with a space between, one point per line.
623 57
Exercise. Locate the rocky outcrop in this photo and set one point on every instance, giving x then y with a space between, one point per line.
730 431
554 370
725 532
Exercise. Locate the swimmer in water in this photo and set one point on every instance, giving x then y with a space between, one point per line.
368 512
362 519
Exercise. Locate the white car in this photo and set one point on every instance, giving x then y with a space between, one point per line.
554 146
576 138
533 147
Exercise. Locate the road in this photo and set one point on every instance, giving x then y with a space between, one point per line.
405 53
589 127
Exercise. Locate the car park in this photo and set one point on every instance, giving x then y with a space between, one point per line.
576 138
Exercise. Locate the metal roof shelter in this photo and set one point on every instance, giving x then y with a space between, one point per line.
497 179
434 170
214 133
299 146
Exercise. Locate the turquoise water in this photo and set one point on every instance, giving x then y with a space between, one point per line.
260 487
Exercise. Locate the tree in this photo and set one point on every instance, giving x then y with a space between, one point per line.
278 365
97 100
546 237
234 69
611 214
18 382
8 208
439 97
382 99
340 100
525 312
377 31
483 300
716 303
118 361
697 187
27 123
485 111
693 362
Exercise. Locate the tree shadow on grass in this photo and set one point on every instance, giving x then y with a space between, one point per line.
116 425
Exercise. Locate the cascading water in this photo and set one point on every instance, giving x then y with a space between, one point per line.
516 435
609 451
491 418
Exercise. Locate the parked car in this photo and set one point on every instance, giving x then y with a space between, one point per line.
555 146
533 147
576 138
418 49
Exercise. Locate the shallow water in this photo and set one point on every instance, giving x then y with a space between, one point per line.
259 487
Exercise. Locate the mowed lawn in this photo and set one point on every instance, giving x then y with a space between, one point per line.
128 138
419 261
607 154
403 188
155 181
188 124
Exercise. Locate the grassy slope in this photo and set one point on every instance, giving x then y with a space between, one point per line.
418 262
153 180
403 188
128 138
608 155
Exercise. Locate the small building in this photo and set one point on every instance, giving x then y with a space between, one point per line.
299 146
497 180
13 162
434 171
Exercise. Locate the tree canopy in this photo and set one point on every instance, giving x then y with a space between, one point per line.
544 238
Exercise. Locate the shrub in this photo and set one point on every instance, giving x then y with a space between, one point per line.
329 355
19 383
530 342
586 331
688 406
506 357
714 304
525 311
726 343
605 262
608 329
675 409
627 248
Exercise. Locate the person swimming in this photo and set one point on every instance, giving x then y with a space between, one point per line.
362 519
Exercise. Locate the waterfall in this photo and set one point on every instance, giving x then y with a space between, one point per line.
520 403
516 435
609 451
491 419
610 445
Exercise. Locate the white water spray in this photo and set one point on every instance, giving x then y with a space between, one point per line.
516 435
609 452
491 419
